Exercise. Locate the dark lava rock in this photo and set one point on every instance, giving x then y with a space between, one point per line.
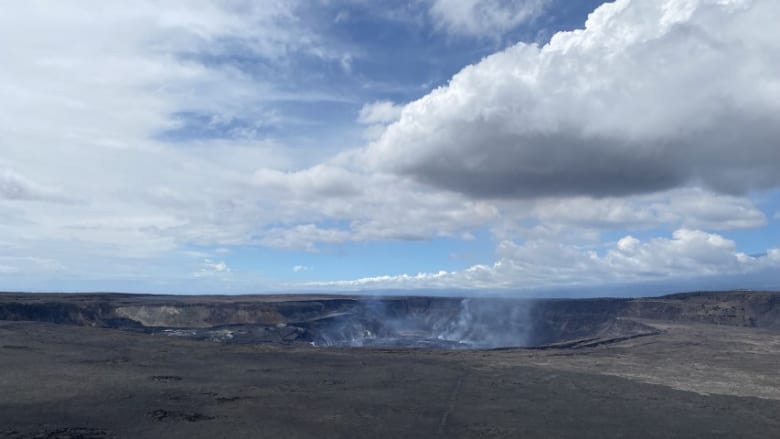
162 415
60 433
166 378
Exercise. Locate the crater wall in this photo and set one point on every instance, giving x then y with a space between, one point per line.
341 321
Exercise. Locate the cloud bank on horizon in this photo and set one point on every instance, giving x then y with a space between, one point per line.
340 145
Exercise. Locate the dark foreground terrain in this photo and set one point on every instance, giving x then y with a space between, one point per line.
105 366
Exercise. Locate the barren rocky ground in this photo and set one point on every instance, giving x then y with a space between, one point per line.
711 373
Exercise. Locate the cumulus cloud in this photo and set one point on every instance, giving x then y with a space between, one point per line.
379 112
381 212
331 203
686 207
649 96
483 18
317 181
376 116
301 268
548 145
688 254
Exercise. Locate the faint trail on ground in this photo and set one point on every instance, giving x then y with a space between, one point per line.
451 403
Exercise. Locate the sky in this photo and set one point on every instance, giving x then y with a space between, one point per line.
524 147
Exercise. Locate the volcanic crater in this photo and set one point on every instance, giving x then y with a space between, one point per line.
119 365
405 322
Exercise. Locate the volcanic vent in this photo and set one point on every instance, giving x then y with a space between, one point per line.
428 323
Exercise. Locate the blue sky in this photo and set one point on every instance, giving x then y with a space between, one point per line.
515 146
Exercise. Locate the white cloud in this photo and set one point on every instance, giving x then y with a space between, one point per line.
379 112
211 268
337 202
16 187
303 237
686 207
688 254
649 96
377 206
392 281
219 267
100 93
301 268
483 18
95 91
376 116
317 181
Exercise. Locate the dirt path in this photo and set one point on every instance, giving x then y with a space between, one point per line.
452 402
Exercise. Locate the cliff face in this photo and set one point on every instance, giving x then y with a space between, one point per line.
397 321
211 315
570 319
110 310
65 312
740 308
